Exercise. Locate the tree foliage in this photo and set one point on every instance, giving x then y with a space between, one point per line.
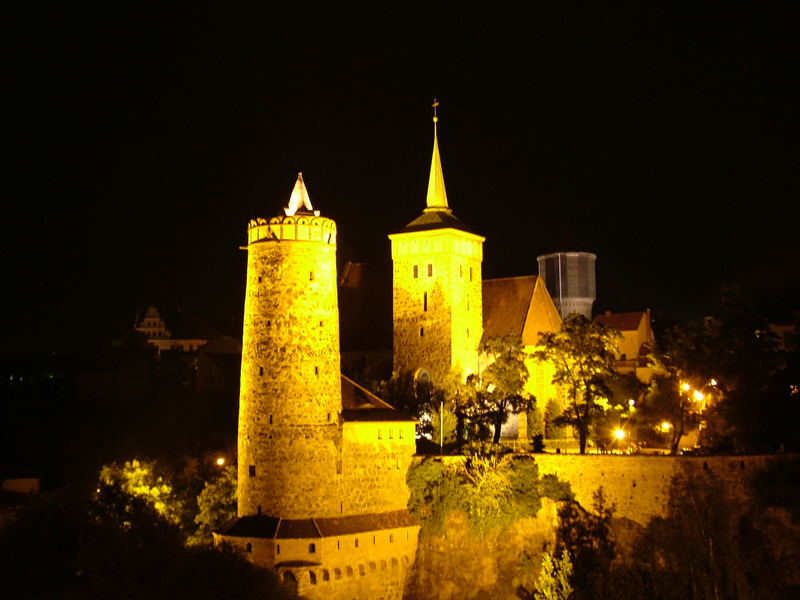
668 409
216 505
500 391
492 489
756 379
117 545
583 355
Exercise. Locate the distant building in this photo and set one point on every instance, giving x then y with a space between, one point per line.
154 328
570 278
637 343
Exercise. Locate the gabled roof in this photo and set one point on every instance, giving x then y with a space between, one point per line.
505 305
623 321
519 307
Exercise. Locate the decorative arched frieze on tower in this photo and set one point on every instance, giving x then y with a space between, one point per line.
437 305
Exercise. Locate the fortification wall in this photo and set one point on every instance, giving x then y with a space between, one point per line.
375 458
639 485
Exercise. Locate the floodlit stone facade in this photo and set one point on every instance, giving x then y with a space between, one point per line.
437 301
321 461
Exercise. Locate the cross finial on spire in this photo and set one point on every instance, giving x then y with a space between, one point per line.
435 105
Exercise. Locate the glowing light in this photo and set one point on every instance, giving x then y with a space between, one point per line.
666 426
221 461
619 434
685 387
631 402
713 381
698 396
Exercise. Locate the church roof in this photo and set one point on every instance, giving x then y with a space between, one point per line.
518 307
436 219
505 305
622 321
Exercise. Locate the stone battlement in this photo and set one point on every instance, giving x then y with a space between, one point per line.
307 228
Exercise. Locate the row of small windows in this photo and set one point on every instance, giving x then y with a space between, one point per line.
269 323
415 271
391 434
291 578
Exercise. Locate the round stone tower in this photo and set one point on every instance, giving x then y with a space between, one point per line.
290 398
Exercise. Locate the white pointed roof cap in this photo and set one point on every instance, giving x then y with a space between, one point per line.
299 200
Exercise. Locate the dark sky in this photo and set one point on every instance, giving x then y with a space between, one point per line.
143 139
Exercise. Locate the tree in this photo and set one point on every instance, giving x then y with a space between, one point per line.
669 409
116 545
216 505
583 355
737 349
144 479
500 392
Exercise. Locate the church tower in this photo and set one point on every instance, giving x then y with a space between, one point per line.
437 304
290 397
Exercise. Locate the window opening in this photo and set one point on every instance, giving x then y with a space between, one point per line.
425 301
416 271
430 270
252 470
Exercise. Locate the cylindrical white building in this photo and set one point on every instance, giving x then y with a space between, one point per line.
570 279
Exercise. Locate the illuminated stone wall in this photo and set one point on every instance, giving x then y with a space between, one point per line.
437 301
376 456
639 485
290 394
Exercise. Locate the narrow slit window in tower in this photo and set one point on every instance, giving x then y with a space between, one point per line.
356 542
312 577
470 273
421 332
249 548
260 371
316 371
278 549
311 276
430 270
251 470
312 548
270 419
416 271
425 301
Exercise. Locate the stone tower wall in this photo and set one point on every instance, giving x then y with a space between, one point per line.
445 331
290 396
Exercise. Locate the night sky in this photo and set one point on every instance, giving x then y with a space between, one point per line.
142 140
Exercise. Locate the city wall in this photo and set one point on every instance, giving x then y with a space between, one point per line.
639 485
